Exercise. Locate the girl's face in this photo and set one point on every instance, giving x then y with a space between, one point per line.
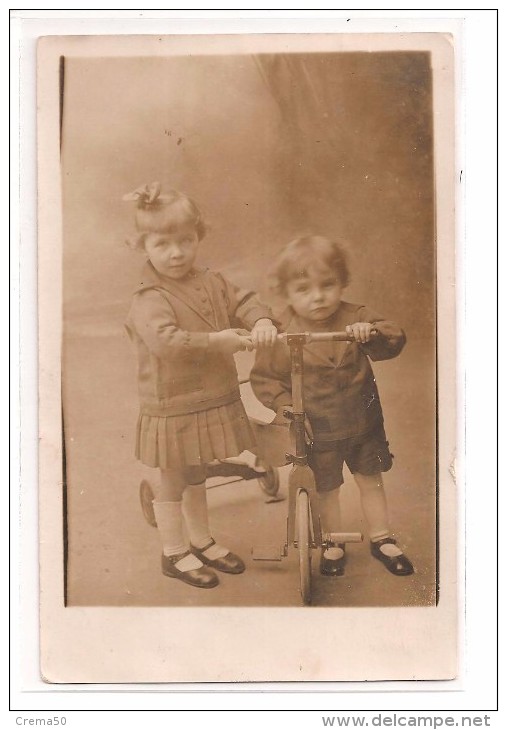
315 296
173 254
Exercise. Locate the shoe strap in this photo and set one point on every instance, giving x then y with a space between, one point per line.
206 547
176 558
384 541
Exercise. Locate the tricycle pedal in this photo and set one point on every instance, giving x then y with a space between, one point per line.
336 537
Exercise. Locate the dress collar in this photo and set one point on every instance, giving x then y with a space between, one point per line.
150 278
182 289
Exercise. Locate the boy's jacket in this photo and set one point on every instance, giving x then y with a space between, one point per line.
170 321
341 396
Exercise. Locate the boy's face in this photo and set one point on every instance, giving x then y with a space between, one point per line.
315 296
173 254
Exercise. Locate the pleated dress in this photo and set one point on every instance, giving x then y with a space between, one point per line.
191 412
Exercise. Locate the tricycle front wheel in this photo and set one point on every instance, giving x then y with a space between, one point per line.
304 546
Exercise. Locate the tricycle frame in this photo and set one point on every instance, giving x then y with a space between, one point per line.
304 531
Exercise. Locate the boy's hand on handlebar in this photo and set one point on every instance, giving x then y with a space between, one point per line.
361 331
231 341
264 333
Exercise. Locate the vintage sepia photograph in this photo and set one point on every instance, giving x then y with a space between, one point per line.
243 244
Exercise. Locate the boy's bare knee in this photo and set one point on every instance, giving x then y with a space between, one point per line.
369 481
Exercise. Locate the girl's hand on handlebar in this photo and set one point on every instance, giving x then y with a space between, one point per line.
264 333
361 331
231 341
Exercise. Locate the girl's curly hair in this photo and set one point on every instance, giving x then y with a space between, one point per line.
156 213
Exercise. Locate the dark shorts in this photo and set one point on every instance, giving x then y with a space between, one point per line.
367 454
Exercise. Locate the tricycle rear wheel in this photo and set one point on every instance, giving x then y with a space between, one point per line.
146 497
270 480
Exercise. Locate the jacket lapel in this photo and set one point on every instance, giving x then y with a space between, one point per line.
330 354
327 353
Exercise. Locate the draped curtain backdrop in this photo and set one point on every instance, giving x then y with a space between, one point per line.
271 147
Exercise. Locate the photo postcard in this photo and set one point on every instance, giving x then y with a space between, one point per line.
219 503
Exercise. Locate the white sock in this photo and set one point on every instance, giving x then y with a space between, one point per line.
374 504
195 511
170 527
334 553
331 520
391 550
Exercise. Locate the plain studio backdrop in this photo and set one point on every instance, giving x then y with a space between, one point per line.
270 147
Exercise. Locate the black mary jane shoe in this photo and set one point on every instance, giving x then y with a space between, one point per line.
395 564
199 577
333 567
230 563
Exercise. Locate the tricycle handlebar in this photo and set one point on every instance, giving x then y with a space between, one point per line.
307 337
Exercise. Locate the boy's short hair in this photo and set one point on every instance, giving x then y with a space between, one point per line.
307 252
